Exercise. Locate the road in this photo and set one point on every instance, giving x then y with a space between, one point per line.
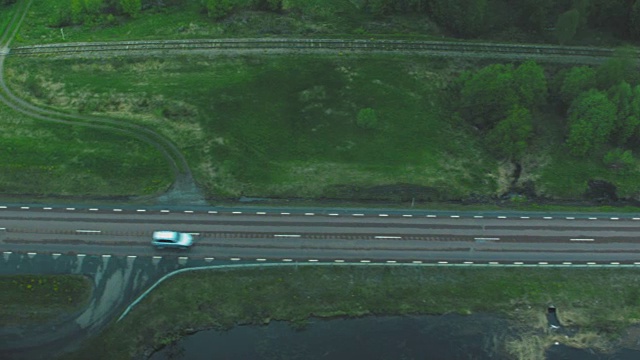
296 235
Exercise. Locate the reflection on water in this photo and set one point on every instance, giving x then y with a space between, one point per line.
447 337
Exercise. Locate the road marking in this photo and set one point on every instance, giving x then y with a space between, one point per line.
591 263
357 214
567 263
208 259
502 217
287 260
309 214
365 261
31 254
615 218
489 239
56 254
117 209
131 256
285 235
106 256
543 263
93 209
183 258
493 263
47 208
7 252
313 260
212 212
157 257
24 207
3 207
70 209
261 213
636 263
237 212
455 216
468 262
524 217
188 211
432 216
391 261
417 262
333 214
3 229
388 237
570 218
478 216
81 255
443 262
164 211
141 210
593 218
383 214
407 215
581 239
547 217
235 259
89 231
615 263
338 260
635 218
518 263
261 259
285 213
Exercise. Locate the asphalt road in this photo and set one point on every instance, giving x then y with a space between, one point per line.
324 236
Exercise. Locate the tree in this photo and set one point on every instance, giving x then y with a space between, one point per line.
567 25
218 9
576 81
488 95
510 137
627 119
619 159
367 118
464 17
530 84
634 21
620 67
131 7
591 121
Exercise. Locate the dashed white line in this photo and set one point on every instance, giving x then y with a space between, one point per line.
106 256
357 214
117 209
570 218
93 209
615 218
547 217
183 258
455 216
3 229
131 256
494 263
468 262
615 263
309 214
334 214
261 213
285 213
81 255
383 215
32 254
157 257
365 261
502 217
443 262
312 260
593 218
188 211
7 252
141 210
543 263
47 208
338 260
518 263
388 237
194 233
89 231
591 263
391 261
165 211
432 216
416 262
56 254
286 235
212 212
488 239
3 207
636 263
236 212
208 259
635 218
24 207
407 215
70 209
478 216
261 259
524 217
235 259
581 239
287 260
567 263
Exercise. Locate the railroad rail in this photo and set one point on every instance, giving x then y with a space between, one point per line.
316 44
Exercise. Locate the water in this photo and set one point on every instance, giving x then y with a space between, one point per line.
449 337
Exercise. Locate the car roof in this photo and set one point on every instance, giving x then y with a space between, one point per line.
169 235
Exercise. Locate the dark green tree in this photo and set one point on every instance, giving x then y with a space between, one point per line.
619 160
217 9
626 125
530 84
130 7
567 25
463 17
634 21
510 137
576 81
488 95
591 122
620 67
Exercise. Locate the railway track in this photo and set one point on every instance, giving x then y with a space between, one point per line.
513 50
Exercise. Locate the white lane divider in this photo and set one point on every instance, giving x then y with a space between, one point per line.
391 261
635 218
581 239
287 260
383 215
188 211
24 207
407 215
547 217
593 218
261 259
543 263
443 262
194 233
518 263
468 262
117 210
106 256
131 256
615 218
570 218
313 260
567 263
208 259
338 260
89 231
3 207
417 262
81 255
357 214
486 239
388 237
3 229
70 209
285 213
47 208
524 217
455 216
309 214
237 212
261 213
365 261
286 235
591 263
432 216
502 217
615 263
141 210
334 214
478 216
235 259
93 209
212 212
164 211
494 263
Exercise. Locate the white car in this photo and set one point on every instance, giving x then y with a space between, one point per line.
171 239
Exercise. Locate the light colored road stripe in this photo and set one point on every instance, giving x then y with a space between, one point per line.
365 261
261 259
388 237
117 209
567 263
334 214
81 255
237 212
432 216
313 260
47 208
7 252
636 263
582 239
443 262
309 214
3 229
56 254
468 262
338 260
524 217
3 207
407 215
93 209
591 263
141 210
383 215
157 257
615 218
635 218
261 213
164 211
285 235
188 211
547 217
287 260
391 261
455 216
543 263
358 214
593 218
615 263
493 263
518 263
212 212
489 239
570 218
131 256
183 258
235 259
24 207
70 209
106 255
502 217
32 254
417 261
285 213
89 231
208 259
478 216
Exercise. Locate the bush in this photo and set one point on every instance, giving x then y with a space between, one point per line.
367 118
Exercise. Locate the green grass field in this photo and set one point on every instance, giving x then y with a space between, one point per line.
29 299
279 126
598 302
45 159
